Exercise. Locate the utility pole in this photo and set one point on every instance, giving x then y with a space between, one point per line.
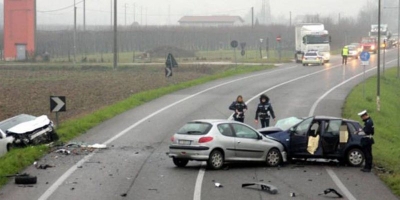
74 32
398 37
111 13
125 14
84 15
290 19
378 103
141 15
134 12
252 17
115 63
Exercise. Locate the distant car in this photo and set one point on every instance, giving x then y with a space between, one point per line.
353 52
319 137
220 141
312 57
28 129
358 46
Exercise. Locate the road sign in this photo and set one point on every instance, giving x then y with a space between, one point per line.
58 104
364 56
278 38
243 52
234 43
168 72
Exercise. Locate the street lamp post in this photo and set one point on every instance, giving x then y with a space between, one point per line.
378 92
261 41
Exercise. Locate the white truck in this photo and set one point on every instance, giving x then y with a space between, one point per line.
385 35
312 36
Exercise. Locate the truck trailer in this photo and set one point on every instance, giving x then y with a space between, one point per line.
312 36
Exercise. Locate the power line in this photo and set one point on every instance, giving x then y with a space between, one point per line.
60 9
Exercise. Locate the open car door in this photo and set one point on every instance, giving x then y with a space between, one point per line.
330 135
298 137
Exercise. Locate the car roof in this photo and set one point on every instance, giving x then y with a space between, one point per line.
322 117
213 121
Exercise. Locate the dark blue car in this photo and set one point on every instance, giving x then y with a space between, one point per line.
319 137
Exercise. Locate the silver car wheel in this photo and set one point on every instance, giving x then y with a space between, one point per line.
273 157
355 157
216 159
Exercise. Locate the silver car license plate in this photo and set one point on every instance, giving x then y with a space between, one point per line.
184 142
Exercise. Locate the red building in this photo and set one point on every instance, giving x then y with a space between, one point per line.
19 29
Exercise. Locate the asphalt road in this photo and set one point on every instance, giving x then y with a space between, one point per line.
135 165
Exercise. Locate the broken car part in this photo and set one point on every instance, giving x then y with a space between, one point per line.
265 187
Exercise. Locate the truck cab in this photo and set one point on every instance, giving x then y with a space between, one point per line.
312 37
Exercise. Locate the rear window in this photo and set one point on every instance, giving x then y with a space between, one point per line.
311 54
195 128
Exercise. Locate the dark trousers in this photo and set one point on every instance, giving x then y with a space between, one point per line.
344 60
239 119
367 148
264 122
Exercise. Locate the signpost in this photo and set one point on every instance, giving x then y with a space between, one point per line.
364 56
58 104
234 44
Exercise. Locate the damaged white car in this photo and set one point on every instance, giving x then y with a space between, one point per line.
29 130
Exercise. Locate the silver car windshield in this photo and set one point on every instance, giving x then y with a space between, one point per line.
195 128
286 123
9 123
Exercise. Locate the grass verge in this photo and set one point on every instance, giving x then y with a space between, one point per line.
19 158
386 149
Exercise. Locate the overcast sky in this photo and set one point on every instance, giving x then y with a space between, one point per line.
161 12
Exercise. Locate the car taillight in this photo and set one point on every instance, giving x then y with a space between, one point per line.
172 139
205 139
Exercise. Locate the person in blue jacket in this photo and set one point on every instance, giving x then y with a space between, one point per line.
239 108
264 111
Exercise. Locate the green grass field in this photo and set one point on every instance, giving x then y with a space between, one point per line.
386 150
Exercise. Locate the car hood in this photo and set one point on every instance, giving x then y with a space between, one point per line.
29 126
282 137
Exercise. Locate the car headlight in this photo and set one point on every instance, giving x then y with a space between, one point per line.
327 55
373 47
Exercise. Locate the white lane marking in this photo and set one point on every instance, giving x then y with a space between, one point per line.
331 173
199 181
340 185
71 170
197 188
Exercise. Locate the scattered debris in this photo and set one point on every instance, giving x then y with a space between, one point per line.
154 189
331 190
72 188
267 187
310 180
25 186
42 166
292 194
63 151
124 195
226 168
98 146
218 185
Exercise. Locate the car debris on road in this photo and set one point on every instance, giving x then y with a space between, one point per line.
331 190
265 187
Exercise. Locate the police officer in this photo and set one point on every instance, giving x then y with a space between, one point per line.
367 141
345 53
264 110
239 107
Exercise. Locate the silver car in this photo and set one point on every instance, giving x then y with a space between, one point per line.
219 141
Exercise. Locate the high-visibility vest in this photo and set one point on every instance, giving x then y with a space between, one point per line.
345 52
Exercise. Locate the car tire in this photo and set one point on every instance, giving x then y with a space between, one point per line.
180 162
274 157
25 179
216 160
355 157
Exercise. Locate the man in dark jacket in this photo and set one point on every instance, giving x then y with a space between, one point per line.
368 140
264 110
239 107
